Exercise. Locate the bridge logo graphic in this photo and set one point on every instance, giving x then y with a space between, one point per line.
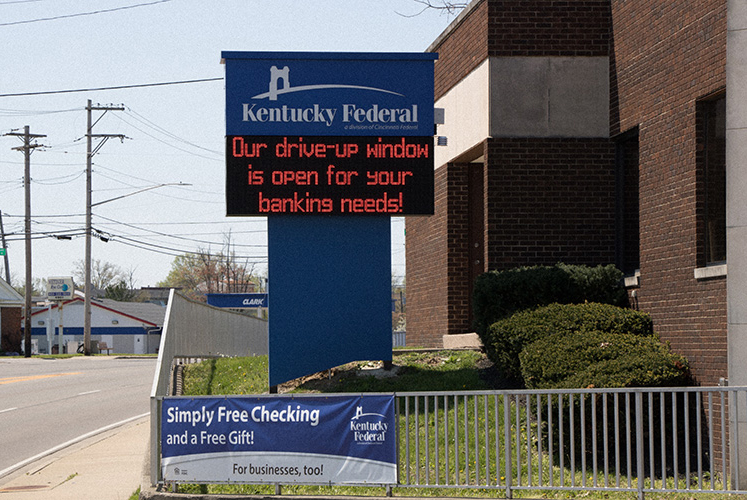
278 76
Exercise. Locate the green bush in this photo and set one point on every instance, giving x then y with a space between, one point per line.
508 337
601 359
499 294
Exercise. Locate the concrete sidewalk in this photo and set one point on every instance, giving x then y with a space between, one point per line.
107 466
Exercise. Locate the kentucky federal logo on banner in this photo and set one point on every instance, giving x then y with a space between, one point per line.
307 440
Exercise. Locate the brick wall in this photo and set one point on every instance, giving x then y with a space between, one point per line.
11 329
548 28
667 55
531 215
426 260
550 201
457 241
462 50
521 28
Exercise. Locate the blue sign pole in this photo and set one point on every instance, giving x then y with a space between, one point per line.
335 308
328 146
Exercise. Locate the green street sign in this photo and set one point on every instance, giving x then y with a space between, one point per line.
2 252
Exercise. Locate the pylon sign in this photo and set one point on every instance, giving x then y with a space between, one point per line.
328 146
60 288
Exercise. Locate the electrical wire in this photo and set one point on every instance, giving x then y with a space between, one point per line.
91 13
21 235
181 237
116 87
170 249
19 112
145 121
50 182
172 145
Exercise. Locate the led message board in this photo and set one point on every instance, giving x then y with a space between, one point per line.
329 175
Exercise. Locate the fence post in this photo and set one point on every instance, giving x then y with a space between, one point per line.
639 441
507 443
738 438
155 441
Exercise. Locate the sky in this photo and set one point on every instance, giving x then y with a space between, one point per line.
58 54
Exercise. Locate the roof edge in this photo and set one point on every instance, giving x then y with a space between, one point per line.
454 25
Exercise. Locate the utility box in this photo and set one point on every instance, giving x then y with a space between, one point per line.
71 346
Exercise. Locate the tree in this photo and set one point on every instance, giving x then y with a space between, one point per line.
204 272
115 282
399 315
446 6
38 286
103 273
123 292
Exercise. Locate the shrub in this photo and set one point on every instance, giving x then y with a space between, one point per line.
601 359
508 337
498 294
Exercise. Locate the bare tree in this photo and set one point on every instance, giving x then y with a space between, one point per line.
205 272
445 6
103 273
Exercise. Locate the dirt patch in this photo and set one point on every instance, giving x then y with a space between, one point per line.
327 380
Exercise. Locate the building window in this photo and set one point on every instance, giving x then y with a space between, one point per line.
712 145
627 248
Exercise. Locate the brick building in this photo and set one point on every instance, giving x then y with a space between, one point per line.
592 132
11 316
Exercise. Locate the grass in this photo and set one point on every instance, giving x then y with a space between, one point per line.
433 371
441 371
75 355
226 376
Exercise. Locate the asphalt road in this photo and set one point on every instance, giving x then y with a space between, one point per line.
45 403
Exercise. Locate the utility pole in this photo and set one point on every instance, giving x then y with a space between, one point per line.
5 249
89 156
27 148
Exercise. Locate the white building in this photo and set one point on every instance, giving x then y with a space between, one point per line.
125 327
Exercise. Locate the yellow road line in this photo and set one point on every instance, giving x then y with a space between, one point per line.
12 380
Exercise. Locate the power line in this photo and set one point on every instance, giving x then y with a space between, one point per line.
19 1
149 123
174 146
117 87
21 112
80 14
179 237
54 180
151 246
